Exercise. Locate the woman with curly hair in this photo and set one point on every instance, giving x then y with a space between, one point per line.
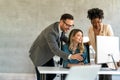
98 29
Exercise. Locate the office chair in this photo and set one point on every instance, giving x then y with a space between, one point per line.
88 52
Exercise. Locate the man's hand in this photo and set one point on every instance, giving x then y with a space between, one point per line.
81 63
77 56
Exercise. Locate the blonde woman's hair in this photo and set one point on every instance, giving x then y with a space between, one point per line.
70 41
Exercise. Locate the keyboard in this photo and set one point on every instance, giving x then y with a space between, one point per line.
108 69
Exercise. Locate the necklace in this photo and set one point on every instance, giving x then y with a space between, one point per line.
96 31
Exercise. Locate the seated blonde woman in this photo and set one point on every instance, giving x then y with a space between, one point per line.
75 46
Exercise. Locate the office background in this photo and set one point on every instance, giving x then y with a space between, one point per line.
21 21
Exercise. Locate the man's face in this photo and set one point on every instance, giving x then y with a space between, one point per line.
66 25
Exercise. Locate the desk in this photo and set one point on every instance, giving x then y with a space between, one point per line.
117 72
51 70
60 70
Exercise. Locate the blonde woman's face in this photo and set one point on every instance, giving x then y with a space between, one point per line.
78 38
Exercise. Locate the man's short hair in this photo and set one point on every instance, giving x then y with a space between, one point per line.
66 16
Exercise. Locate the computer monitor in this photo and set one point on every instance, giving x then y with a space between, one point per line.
107 49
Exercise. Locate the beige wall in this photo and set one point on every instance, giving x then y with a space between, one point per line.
22 20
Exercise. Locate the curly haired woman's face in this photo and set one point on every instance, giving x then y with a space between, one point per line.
96 22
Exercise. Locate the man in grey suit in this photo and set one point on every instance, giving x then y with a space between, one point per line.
47 44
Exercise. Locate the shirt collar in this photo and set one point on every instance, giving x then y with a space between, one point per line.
60 31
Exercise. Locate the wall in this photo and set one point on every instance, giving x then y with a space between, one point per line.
22 20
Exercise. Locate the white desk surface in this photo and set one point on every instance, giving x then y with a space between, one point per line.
60 70
52 70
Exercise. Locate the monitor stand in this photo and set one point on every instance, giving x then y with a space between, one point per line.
115 65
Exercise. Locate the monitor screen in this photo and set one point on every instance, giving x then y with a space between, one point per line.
107 46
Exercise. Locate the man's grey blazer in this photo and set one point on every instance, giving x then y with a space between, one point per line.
46 46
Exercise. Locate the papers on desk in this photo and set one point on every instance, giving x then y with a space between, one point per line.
87 72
